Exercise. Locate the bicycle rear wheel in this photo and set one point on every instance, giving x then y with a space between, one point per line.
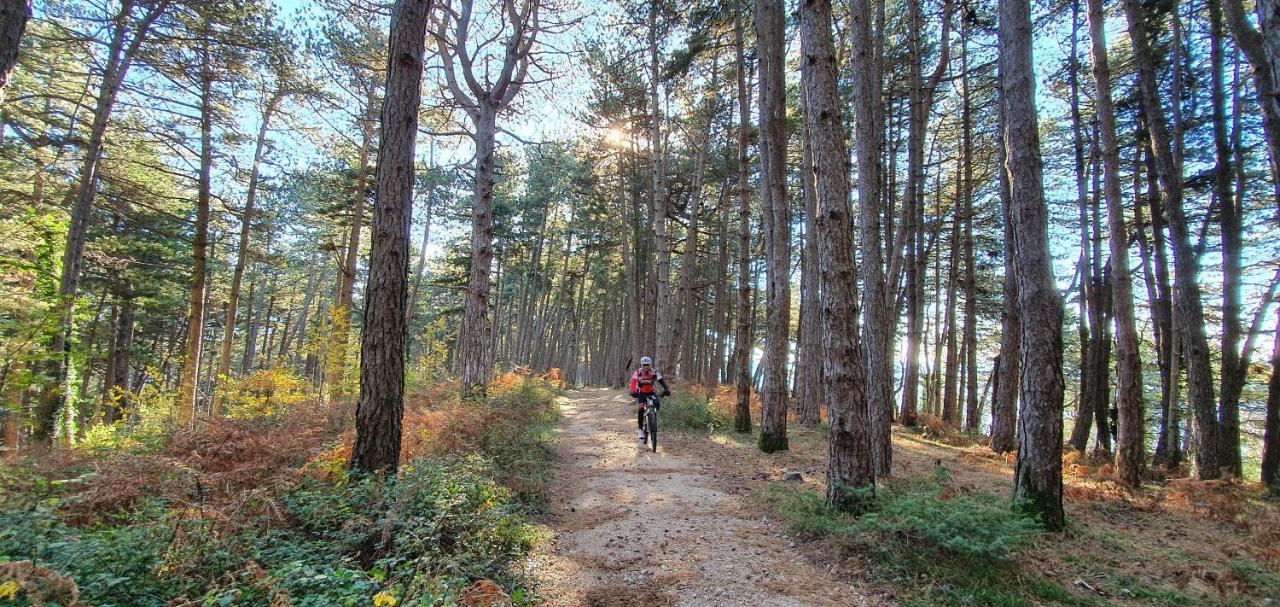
652 423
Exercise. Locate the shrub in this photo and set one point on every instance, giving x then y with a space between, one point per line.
691 411
265 392
923 513
949 544
438 519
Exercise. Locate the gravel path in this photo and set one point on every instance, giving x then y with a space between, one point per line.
633 527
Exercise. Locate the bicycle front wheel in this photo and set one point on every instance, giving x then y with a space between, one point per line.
652 423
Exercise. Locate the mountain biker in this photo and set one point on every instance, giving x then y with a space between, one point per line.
642 384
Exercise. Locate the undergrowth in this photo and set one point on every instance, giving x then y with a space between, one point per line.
260 511
692 411
939 542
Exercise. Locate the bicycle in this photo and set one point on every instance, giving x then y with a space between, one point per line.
651 420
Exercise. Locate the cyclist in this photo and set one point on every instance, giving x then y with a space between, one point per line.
642 387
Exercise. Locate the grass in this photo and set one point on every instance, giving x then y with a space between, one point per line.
935 541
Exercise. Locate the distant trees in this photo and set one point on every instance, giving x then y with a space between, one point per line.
1131 432
186 194
129 28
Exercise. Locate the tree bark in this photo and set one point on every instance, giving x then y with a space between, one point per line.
809 353
920 102
1186 262
252 322
742 341
381 406
880 326
474 356
972 415
116 386
1232 376
1270 474
422 263
715 373
1038 472
1262 49
776 213
14 15
187 387
684 354
1004 404
850 467
950 379
474 334
1131 429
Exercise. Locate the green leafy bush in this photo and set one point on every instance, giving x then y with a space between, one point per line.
948 544
439 518
924 513
689 411
426 535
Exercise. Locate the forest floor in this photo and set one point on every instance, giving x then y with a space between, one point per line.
700 523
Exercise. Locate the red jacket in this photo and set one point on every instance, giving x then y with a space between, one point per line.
643 382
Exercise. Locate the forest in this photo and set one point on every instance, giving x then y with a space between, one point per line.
321 302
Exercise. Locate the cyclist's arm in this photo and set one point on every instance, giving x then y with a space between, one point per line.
663 381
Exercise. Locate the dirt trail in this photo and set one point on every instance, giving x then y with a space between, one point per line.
633 527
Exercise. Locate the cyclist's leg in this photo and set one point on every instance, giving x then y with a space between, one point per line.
640 414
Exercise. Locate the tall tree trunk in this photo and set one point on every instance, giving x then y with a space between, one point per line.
809 352
473 337
1168 443
382 346
14 15
850 464
721 315
1270 475
1131 428
1262 48
1089 323
187 388
1230 216
116 388
685 321
1004 405
422 262
972 415
119 58
1186 262
1038 473
742 342
662 329
880 326
920 102
252 321
336 367
776 213
242 254
950 378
